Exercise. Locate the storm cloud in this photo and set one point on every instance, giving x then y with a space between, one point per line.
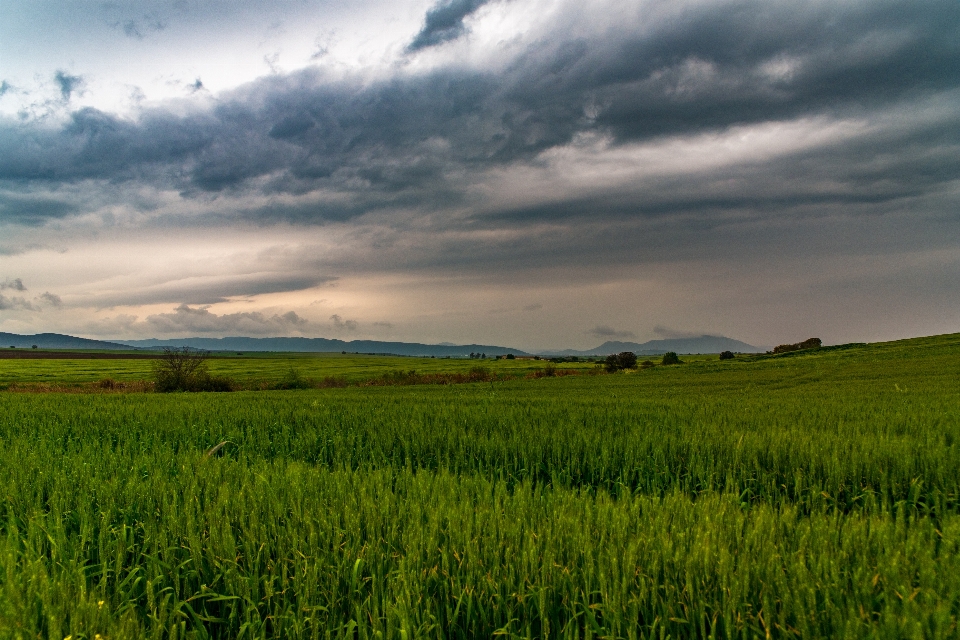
69 84
16 302
411 137
571 145
198 320
604 332
16 284
186 320
444 22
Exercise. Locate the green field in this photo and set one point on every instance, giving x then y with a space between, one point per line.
810 495
253 369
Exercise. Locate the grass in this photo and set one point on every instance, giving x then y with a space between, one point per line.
815 494
262 370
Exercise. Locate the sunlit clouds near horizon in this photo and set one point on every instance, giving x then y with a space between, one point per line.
518 172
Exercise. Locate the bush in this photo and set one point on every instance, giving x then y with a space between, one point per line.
727 355
206 382
293 380
646 364
510 356
479 373
185 369
671 358
623 360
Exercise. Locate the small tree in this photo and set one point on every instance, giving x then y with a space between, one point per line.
623 360
185 369
670 358
178 368
727 355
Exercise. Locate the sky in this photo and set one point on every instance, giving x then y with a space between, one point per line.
528 173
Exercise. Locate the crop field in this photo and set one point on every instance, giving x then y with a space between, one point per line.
814 494
257 369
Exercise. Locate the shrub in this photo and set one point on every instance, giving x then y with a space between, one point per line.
646 364
671 358
293 380
727 355
207 382
510 356
185 369
622 360
479 373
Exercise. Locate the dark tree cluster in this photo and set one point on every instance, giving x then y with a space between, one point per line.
671 358
622 360
809 343
727 355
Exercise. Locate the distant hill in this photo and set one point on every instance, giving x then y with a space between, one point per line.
319 345
701 344
55 341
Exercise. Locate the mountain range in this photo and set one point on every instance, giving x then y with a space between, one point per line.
56 341
320 345
701 344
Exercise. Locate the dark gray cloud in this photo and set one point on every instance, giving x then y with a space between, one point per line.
444 22
20 249
340 323
68 84
15 284
188 320
139 28
33 209
605 332
666 332
200 320
213 289
15 302
424 141
8 303
51 299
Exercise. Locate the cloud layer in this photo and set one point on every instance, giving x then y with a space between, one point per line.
552 138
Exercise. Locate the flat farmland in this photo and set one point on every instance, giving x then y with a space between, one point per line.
66 369
810 495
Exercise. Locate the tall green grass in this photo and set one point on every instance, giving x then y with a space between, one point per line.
809 496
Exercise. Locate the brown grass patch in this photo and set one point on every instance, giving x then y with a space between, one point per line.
101 386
